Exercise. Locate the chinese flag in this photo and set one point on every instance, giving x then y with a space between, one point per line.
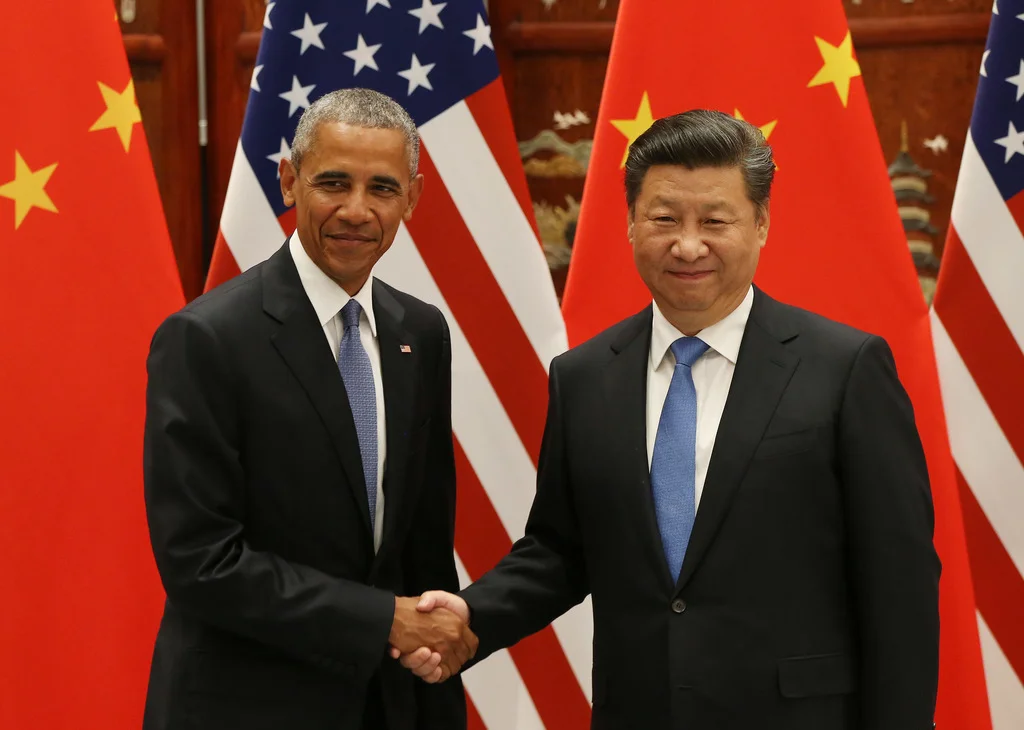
86 274
836 244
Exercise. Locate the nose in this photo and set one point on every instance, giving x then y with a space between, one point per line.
355 210
688 246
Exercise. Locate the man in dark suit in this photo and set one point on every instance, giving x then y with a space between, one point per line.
299 467
737 482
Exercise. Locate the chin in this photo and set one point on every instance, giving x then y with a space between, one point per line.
689 304
689 296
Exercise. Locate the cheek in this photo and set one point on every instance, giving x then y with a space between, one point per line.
391 216
650 262
318 210
740 257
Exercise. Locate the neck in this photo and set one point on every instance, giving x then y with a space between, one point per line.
352 288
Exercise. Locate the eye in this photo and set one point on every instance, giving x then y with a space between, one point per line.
714 222
665 219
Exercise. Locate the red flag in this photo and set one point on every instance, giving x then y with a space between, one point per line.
836 244
87 274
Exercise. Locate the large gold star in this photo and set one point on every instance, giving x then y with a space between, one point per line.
766 129
633 128
27 189
839 67
122 112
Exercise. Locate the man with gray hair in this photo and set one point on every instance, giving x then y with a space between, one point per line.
299 468
738 483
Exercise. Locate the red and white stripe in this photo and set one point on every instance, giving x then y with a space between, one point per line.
471 249
978 332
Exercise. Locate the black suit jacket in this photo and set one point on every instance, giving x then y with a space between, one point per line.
278 611
808 598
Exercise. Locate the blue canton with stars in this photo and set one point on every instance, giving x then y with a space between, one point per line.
997 124
426 55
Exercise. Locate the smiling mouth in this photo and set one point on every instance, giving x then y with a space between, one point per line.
688 274
350 238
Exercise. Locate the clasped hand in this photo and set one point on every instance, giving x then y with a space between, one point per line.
431 635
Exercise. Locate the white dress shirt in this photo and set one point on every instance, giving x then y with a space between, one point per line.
328 299
712 378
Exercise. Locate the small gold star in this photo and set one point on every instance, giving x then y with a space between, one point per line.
633 128
766 129
839 67
27 189
122 112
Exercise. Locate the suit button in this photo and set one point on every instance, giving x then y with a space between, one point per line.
678 605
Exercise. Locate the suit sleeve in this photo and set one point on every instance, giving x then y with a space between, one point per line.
195 503
545 573
893 565
429 555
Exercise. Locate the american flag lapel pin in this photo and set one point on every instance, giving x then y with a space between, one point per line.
405 348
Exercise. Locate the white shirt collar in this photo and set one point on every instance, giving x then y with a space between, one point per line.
724 336
324 293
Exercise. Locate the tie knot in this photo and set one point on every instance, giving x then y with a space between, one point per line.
688 349
350 314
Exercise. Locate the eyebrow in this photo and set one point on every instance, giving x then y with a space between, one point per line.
709 206
341 175
717 205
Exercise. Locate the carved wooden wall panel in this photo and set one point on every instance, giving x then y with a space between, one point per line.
160 41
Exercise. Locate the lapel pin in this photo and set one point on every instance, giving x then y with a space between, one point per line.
405 348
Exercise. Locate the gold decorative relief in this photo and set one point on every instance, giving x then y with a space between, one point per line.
548 155
568 120
557 225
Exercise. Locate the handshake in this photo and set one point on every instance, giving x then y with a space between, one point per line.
431 636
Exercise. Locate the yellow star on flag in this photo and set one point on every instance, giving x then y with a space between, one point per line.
766 129
122 112
633 128
27 189
839 67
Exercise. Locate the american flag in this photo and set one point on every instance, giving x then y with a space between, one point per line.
471 249
978 326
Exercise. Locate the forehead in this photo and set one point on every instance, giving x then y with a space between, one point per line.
675 182
349 146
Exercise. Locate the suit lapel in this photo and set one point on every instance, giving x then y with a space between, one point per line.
763 370
626 393
398 373
300 342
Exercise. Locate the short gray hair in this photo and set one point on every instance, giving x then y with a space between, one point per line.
703 138
360 108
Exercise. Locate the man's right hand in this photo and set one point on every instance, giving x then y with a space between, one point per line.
435 641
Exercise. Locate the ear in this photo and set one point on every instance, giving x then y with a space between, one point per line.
415 190
763 222
629 225
289 175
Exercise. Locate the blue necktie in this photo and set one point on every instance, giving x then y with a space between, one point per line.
673 466
356 373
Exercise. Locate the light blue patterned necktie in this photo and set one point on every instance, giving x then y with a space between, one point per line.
357 374
673 466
